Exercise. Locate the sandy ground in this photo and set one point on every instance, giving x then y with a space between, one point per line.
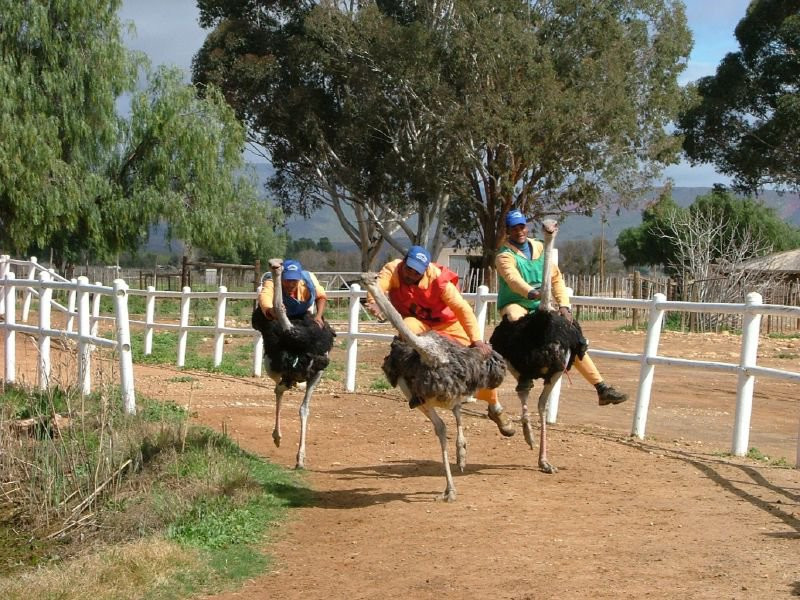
671 516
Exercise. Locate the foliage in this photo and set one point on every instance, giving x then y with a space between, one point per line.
744 219
462 110
746 117
184 483
588 257
79 179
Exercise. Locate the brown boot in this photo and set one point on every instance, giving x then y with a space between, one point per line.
504 424
608 395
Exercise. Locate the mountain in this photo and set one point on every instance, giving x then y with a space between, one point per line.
324 223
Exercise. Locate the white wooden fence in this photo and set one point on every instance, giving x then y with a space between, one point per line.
84 305
745 370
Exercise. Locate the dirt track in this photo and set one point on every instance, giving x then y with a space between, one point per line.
670 517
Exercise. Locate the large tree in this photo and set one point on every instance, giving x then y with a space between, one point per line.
746 118
457 109
78 178
737 229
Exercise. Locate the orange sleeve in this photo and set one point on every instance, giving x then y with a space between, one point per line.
266 294
463 310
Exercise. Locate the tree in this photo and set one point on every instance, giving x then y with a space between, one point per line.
746 118
452 111
78 178
333 96
739 229
584 257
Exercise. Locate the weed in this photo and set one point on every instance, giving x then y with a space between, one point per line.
169 509
380 385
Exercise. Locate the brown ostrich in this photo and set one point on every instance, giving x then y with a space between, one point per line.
541 345
436 372
295 351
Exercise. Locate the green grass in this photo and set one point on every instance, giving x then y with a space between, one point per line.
236 361
756 454
784 336
189 494
380 385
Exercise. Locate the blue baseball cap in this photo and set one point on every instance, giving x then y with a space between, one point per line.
418 258
292 270
514 217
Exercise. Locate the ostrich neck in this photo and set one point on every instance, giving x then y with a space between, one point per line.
546 300
427 351
277 301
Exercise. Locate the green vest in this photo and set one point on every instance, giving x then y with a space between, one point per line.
531 272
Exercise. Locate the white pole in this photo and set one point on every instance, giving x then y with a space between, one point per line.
552 403
26 298
124 346
10 337
84 330
5 266
751 323
219 337
149 319
71 307
647 370
96 298
45 308
258 356
352 342
183 334
481 309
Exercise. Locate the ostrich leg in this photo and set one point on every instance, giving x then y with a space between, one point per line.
280 388
461 441
544 397
525 418
305 407
449 494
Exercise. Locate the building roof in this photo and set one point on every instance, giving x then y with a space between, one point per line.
781 262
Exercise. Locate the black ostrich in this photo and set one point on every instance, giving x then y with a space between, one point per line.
540 345
438 373
295 351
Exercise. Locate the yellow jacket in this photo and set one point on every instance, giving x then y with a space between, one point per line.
506 267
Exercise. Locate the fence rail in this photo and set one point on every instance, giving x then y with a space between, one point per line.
86 338
655 308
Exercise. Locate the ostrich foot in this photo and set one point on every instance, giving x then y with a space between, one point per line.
546 467
527 431
301 463
276 437
448 496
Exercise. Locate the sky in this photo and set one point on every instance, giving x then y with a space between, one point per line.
168 32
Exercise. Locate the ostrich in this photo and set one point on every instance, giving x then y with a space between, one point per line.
540 345
296 351
438 373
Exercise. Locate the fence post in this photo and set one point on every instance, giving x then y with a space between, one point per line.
183 334
751 323
481 308
5 266
637 294
647 370
96 298
352 341
26 297
45 296
219 336
71 306
124 346
84 330
9 294
149 319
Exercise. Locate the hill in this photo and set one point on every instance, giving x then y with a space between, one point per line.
324 223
